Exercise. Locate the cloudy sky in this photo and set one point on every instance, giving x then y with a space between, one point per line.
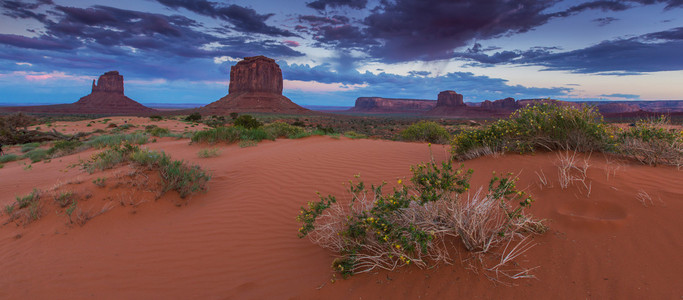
333 51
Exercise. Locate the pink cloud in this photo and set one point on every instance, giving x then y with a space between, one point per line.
291 43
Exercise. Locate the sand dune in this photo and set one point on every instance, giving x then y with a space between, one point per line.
238 240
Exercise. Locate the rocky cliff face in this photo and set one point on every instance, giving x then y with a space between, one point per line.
390 105
255 86
450 99
257 74
507 104
110 82
617 108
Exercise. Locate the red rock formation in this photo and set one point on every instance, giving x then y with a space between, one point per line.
449 99
110 82
507 104
255 86
390 105
257 74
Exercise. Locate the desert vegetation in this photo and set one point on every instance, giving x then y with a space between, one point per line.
418 222
555 127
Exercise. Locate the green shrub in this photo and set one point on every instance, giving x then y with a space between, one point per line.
100 181
155 118
355 135
157 131
64 198
9 158
28 147
206 153
175 175
64 147
542 126
281 130
415 224
247 121
651 143
255 134
116 139
36 155
426 131
194 117
220 134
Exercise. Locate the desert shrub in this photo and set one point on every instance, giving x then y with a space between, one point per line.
157 131
64 147
100 181
649 142
28 147
323 130
211 152
64 198
355 135
9 158
255 134
415 223
247 121
183 178
121 128
37 155
233 115
426 131
116 139
28 207
175 175
214 135
194 117
281 129
216 121
542 126
155 118
301 134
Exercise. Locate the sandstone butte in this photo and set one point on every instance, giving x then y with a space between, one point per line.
106 98
392 105
255 86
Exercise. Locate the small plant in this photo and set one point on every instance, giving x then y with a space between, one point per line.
104 121
9 158
355 135
37 155
247 121
282 130
103 141
426 131
155 118
28 147
157 131
194 117
63 147
70 210
210 152
100 181
64 198
246 144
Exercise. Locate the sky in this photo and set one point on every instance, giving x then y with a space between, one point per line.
334 51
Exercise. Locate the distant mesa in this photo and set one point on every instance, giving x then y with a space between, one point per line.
106 98
255 86
391 105
507 104
450 99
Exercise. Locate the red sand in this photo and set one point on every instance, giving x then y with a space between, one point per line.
238 241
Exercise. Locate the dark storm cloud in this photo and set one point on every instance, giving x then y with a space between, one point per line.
172 47
406 30
659 51
244 19
23 10
323 4
319 20
604 21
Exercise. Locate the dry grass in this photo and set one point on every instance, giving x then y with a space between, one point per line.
571 171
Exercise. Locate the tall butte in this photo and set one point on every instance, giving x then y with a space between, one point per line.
107 97
255 86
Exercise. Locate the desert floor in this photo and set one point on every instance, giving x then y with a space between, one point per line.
239 240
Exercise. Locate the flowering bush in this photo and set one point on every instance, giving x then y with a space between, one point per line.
650 143
411 224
